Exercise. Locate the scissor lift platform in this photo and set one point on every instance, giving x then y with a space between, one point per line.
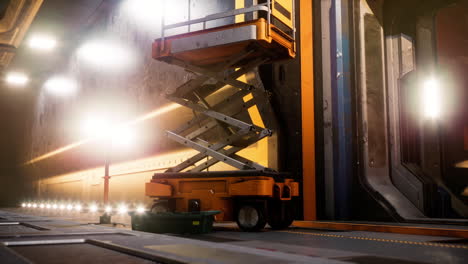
253 194
212 46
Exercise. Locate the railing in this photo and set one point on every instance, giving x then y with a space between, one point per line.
264 7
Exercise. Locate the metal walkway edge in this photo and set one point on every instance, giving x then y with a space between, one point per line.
425 230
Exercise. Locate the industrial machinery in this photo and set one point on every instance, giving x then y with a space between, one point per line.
219 57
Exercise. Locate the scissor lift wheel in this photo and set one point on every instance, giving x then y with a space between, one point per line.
251 217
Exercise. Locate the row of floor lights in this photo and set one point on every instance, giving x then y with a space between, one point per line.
93 208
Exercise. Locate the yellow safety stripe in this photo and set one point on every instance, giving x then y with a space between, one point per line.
429 244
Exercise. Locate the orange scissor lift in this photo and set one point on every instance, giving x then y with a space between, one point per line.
252 194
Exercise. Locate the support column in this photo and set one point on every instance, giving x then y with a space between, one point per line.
307 99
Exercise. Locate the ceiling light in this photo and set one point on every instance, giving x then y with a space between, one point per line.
146 13
106 54
42 42
60 85
108 209
16 79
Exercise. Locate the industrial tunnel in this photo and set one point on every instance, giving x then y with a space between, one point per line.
356 149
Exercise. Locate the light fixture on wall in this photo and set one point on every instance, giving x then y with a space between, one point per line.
42 42
16 79
431 99
107 55
61 86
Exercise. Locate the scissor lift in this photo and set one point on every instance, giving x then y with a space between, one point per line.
252 194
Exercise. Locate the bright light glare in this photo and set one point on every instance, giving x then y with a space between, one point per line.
140 209
122 209
146 12
28 205
62 206
34 205
60 85
48 206
41 206
431 99
23 205
42 42
70 207
54 206
78 207
93 208
16 79
123 136
108 55
95 127
108 209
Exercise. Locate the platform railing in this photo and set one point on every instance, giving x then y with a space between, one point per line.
264 7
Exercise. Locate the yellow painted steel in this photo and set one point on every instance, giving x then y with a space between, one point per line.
240 4
283 11
307 98
262 145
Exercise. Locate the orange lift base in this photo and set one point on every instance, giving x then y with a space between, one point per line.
217 193
386 228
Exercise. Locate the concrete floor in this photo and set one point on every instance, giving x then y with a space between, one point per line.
229 245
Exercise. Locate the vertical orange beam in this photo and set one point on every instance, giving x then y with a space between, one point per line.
307 99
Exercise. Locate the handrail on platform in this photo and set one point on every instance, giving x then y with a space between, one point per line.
264 7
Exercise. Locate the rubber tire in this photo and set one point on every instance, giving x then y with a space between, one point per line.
260 222
160 207
276 219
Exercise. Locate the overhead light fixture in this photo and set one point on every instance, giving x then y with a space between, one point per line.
107 55
60 85
147 13
108 209
42 42
431 99
16 79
